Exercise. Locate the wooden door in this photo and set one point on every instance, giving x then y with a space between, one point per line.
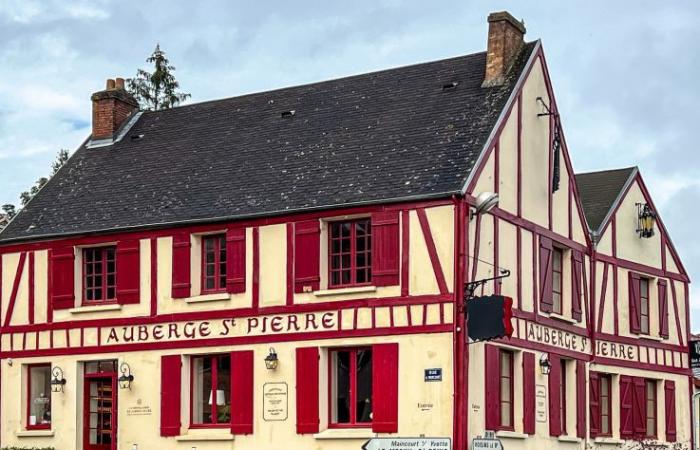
100 412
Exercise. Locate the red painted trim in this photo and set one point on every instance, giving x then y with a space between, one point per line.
643 268
520 155
677 314
636 365
497 284
549 321
290 264
432 251
663 251
477 246
535 278
536 346
405 240
641 341
568 204
256 268
233 341
154 277
15 288
614 236
616 316
461 350
550 162
31 289
219 242
603 292
519 267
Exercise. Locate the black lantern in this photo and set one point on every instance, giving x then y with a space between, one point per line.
126 377
545 365
646 218
271 361
58 381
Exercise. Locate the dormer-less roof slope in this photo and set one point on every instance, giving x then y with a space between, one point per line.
600 191
386 136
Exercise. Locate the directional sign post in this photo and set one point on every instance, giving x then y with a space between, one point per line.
408 444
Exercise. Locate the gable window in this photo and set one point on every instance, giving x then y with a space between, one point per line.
38 397
562 396
650 425
644 305
350 253
557 279
213 263
506 390
210 391
605 405
99 274
351 387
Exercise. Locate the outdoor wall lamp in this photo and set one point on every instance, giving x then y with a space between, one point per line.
646 218
545 365
58 381
485 202
271 360
126 377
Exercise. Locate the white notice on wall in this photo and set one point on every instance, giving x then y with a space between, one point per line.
541 403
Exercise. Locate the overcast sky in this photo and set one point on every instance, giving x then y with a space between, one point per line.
625 73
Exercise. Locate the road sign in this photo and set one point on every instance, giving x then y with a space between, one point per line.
486 443
408 444
433 375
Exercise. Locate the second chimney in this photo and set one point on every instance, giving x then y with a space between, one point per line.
111 108
506 35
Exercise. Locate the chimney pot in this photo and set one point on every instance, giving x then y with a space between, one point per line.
111 108
506 38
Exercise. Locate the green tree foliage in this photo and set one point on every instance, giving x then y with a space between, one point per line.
158 89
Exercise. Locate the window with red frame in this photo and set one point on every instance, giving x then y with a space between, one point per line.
351 388
605 403
350 253
562 396
214 263
644 305
210 391
38 397
506 390
651 408
99 274
557 277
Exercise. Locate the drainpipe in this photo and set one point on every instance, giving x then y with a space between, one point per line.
693 419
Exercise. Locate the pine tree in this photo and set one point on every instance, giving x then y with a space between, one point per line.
158 89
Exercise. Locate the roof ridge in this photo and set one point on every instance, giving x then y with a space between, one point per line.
630 168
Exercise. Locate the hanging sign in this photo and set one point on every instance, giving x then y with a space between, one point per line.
489 317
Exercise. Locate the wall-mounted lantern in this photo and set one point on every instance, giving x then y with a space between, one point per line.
545 365
58 381
271 360
126 378
485 202
646 218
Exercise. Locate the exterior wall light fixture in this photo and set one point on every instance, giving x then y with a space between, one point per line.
646 218
545 365
485 202
58 381
126 378
271 360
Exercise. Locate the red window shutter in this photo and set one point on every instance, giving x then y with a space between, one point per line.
594 403
170 392
242 392
307 256
554 396
577 284
529 393
670 400
493 388
307 390
634 303
62 278
181 265
640 407
235 260
545 274
385 388
626 407
385 248
128 271
663 309
581 399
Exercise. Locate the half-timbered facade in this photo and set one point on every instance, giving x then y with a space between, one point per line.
287 269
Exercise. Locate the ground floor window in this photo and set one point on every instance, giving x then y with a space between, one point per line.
605 405
39 396
651 408
211 390
506 389
351 387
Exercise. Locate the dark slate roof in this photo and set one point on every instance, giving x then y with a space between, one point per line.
385 136
598 192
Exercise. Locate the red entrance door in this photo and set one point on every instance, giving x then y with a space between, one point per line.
100 412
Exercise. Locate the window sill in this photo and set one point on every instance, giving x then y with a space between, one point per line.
651 338
34 433
511 435
556 316
571 439
209 436
345 433
95 308
608 441
219 296
347 290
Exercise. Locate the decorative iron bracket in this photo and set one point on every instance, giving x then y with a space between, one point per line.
471 287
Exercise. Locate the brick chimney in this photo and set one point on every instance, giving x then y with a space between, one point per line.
111 108
505 41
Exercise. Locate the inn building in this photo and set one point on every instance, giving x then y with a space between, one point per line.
287 269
